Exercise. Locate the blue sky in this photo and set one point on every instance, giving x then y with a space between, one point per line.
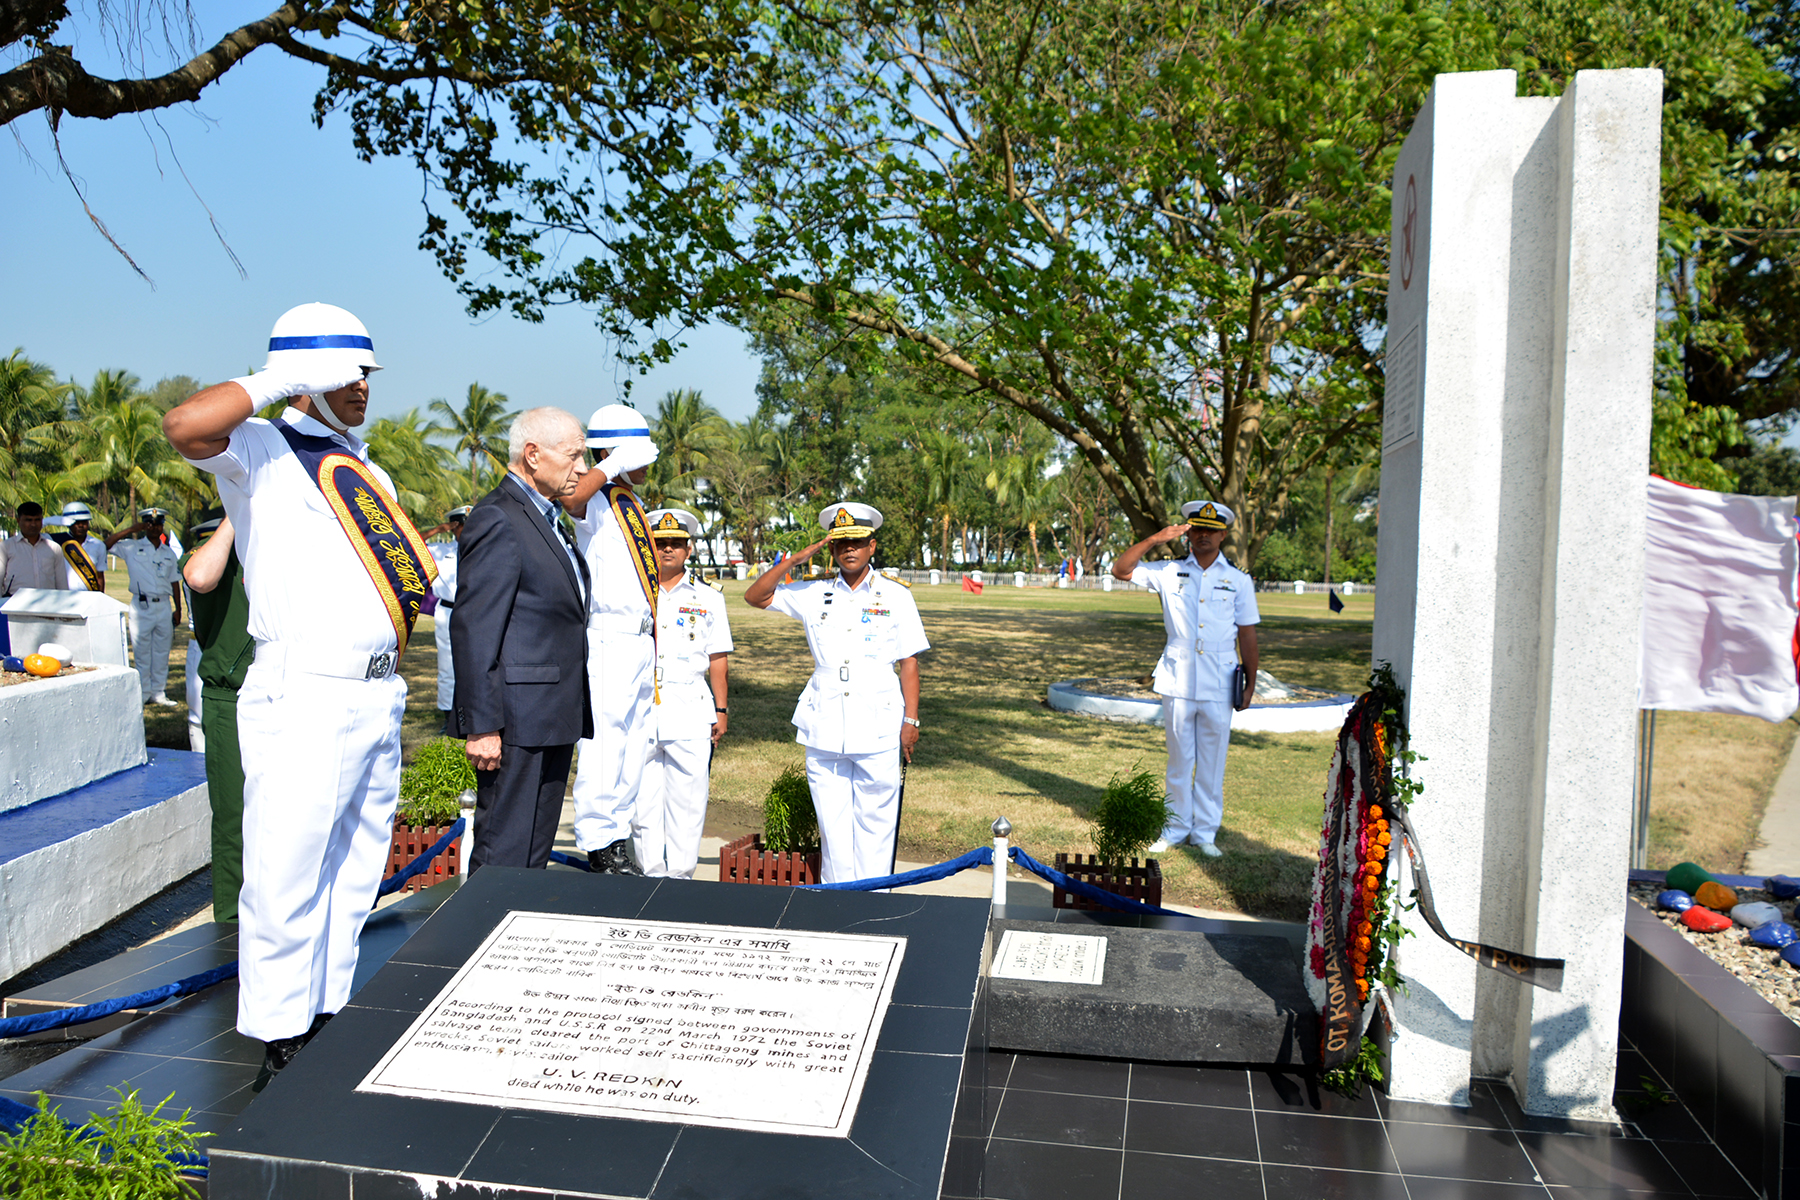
309 222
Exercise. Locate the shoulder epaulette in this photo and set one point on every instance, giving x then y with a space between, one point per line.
901 582
715 585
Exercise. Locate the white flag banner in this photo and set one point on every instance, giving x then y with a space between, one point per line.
1719 603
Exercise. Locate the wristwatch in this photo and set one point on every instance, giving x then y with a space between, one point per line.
716 708
913 721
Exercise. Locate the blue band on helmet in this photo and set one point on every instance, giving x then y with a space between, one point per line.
616 433
323 341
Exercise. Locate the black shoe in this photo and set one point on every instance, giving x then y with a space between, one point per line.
614 860
276 1056
319 1022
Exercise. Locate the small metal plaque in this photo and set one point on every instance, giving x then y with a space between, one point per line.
1050 957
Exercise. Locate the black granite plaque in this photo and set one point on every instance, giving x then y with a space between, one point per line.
356 1109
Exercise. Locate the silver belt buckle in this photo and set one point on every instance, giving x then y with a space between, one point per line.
844 673
380 665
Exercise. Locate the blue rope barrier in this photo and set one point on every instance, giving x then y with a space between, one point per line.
979 857
39 1022
1079 888
398 879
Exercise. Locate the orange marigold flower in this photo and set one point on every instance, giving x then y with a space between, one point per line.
1374 812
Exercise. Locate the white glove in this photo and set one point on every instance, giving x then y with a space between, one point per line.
630 455
266 387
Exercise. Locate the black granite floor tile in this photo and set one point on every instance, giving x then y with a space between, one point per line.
1064 1119
1035 1171
230 1046
1337 1143
1218 1087
1420 1187
192 1082
174 1034
1624 1163
560 1151
914 1029
1168 1177
287 1178
74 1110
1280 1091
1483 1111
1190 1129
1705 1170
1526 1123
85 1072
1449 1152
1567 1193
1316 1183
1663 1122
371 1185
1081 1076
407 987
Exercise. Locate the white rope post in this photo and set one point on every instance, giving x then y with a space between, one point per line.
1002 830
467 803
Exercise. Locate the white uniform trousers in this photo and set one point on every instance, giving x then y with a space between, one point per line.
610 766
446 664
857 797
196 735
1199 733
671 807
155 622
321 776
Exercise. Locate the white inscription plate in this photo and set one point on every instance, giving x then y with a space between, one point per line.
761 1029
1050 957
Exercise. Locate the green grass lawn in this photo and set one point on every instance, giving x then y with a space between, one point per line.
990 746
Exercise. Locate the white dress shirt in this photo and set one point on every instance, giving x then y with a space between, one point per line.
1202 610
852 704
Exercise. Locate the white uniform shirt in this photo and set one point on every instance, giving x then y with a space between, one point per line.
617 593
691 627
852 704
153 568
1202 610
23 565
95 549
306 585
444 588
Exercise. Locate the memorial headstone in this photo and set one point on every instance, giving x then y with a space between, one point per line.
1515 437
554 1033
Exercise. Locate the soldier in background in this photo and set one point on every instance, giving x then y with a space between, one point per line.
153 566
224 649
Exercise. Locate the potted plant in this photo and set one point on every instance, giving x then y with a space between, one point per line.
787 851
1131 814
432 787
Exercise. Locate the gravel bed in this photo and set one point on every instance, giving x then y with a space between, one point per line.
1732 949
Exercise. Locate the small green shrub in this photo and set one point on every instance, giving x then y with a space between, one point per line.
1131 814
127 1154
789 821
431 787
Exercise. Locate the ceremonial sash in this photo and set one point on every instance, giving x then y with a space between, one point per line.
83 565
630 515
384 538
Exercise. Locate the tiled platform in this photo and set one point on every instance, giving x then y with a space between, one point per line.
1077 1129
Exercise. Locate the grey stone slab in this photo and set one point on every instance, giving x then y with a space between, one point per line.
1168 996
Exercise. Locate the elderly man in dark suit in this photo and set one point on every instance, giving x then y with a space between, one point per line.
521 647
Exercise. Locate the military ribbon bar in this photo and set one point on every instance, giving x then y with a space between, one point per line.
383 536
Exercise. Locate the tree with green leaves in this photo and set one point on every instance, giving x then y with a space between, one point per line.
478 430
30 398
426 481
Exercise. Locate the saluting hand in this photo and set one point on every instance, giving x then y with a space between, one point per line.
1173 533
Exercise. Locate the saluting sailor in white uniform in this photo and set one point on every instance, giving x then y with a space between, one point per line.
78 518
319 712
609 770
445 590
859 715
1209 620
689 713
154 569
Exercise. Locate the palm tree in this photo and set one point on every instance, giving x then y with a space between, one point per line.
479 429
688 431
422 470
117 445
946 464
30 398
1018 482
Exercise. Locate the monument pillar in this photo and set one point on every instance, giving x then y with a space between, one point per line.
1521 318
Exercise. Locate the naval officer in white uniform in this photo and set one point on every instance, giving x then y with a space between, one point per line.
319 711
445 590
689 710
153 567
859 715
609 770
1209 622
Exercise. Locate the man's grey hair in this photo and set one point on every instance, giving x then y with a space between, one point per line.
547 426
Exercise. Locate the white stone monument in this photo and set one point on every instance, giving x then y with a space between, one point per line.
1521 318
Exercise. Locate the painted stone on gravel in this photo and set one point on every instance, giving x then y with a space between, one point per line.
1782 887
1716 896
1686 877
1674 900
1752 913
1705 920
1790 954
1774 935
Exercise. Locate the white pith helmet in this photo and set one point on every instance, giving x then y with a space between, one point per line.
615 423
303 337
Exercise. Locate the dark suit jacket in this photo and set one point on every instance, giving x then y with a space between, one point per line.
520 638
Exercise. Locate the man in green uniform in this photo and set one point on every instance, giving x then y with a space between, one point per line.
221 626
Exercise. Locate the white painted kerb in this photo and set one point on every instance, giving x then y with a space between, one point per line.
60 734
